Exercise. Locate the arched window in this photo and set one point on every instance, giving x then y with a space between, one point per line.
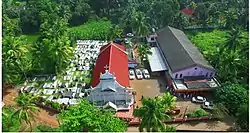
207 74
181 75
195 68
176 75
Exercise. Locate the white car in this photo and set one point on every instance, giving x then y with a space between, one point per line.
131 74
198 99
145 73
138 74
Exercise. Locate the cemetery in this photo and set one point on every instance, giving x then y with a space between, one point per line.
72 84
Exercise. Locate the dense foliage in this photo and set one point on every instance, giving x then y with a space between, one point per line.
87 117
232 96
228 52
232 65
9 123
93 30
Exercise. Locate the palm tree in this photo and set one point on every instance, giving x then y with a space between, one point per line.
26 108
152 115
61 52
167 101
143 51
233 40
138 23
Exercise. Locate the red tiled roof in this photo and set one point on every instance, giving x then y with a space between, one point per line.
187 11
116 58
126 114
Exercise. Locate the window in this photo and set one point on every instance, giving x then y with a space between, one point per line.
181 75
211 74
152 39
176 75
195 68
207 74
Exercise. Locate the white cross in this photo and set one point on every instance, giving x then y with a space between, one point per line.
106 67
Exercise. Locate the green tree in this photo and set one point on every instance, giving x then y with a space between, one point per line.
143 51
26 108
115 32
15 62
232 96
86 117
234 37
138 24
152 115
167 100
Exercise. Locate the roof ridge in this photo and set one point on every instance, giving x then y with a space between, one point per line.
185 50
119 48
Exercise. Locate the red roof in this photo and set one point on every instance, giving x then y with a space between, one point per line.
126 114
188 11
114 56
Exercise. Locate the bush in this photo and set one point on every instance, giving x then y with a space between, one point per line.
9 124
46 128
197 113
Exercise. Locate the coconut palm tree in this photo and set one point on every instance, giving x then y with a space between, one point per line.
233 40
167 101
152 115
26 108
138 24
143 51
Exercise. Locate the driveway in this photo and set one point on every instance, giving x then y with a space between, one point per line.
147 88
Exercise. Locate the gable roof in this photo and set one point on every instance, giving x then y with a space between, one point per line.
115 57
187 11
178 50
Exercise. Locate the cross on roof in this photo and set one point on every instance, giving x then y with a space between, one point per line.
106 67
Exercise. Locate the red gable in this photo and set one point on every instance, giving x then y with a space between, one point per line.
187 11
114 56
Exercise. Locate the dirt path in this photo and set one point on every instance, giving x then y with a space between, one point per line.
43 116
198 126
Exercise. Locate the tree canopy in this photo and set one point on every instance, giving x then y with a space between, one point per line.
87 117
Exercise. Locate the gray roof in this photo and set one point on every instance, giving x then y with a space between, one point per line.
178 50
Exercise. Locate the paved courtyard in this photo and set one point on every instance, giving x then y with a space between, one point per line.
147 88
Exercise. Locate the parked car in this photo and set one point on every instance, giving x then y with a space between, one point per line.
198 99
207 106
131 74
145 73
138 74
